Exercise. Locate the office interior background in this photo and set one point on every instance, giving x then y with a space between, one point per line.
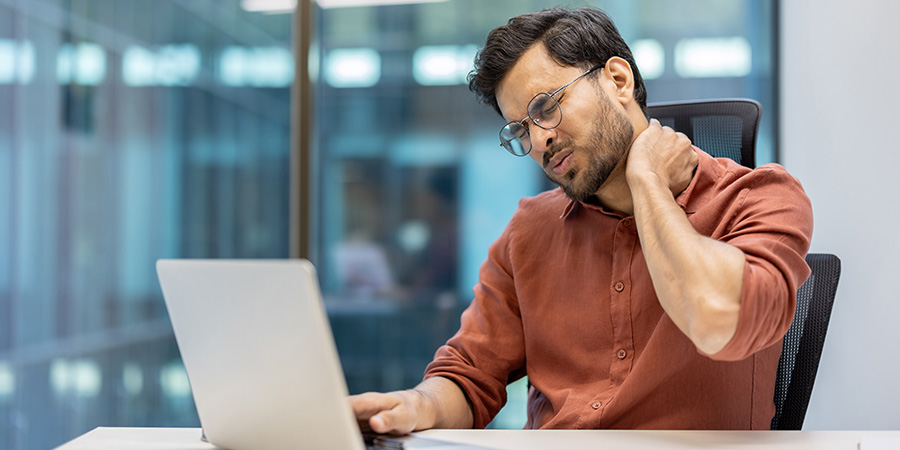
132 130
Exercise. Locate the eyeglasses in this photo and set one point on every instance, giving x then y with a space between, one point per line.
544 111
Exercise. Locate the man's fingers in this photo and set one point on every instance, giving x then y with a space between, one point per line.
365 405
382 413
395 421
378 424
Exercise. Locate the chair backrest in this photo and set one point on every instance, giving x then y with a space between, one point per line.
804 340
724 128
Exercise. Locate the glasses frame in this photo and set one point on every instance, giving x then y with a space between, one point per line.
505 143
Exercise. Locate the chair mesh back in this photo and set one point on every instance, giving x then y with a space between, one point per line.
666 121
803 342
791 344
724 128
720 133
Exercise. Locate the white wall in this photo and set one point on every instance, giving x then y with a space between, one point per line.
840 128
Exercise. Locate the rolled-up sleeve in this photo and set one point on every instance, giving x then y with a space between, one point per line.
488 351
772 224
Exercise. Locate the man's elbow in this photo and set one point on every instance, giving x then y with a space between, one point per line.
715 325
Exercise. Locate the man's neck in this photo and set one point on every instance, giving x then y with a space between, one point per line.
615 195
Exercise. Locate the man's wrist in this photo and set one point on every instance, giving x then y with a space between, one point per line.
424 406
642 180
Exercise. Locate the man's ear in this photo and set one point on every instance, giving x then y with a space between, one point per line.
620 72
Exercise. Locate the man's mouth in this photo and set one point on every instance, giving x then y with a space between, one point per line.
560 163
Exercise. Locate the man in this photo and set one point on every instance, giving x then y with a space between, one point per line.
652 290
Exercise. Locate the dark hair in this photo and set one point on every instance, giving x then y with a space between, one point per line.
580 37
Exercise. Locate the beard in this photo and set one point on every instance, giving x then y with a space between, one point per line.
608 143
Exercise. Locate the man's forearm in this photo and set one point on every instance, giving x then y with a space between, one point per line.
442 405
698 280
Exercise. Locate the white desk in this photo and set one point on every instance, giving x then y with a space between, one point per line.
189 439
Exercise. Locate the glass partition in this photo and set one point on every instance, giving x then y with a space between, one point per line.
130 130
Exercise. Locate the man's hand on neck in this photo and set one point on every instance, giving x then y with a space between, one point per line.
660 155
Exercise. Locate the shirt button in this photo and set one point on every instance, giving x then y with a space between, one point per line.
620 286
627 222
596 405
622 354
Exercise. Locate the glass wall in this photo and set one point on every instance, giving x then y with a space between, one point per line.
411 184
130 130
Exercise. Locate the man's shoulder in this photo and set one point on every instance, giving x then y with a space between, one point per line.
540 210
723 183
774 170
726 172
552 202
769 176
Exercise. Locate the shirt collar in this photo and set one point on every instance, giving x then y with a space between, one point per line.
569 207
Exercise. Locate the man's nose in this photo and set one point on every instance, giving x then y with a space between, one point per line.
541 139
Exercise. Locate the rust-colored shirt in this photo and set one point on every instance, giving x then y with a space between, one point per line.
566 298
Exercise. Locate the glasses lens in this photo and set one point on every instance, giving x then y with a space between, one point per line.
514 138
544 111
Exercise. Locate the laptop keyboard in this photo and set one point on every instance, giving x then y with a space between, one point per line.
410 442
382 441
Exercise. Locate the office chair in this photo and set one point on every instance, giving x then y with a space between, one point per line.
724 128
804 340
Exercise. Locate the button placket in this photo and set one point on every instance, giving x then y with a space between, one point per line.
626 243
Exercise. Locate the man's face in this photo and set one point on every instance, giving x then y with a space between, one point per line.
593 137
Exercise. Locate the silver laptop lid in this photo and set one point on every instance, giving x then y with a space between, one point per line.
259 353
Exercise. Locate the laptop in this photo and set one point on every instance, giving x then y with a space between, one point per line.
260 357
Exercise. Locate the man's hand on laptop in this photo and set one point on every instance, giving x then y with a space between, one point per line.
394 412
435 403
